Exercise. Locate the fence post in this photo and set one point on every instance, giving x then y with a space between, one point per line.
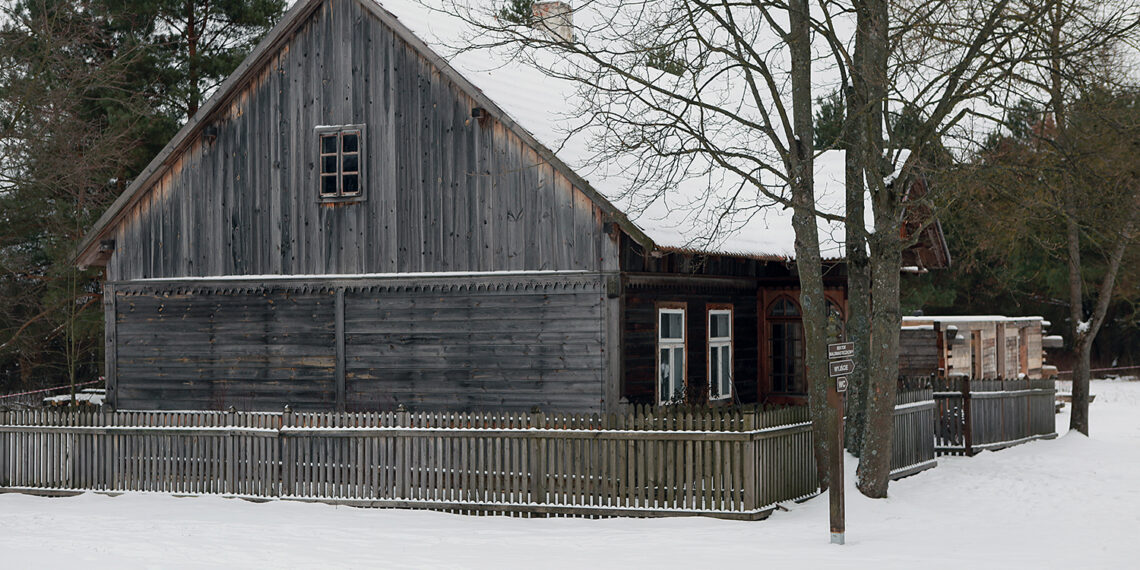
107 453
967 421
4 450
285 461
537 458
401 444
751 481
1003 432
231 453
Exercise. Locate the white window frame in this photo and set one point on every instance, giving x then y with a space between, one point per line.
723 344
674 346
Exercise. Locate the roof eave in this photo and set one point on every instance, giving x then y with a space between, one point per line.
86 253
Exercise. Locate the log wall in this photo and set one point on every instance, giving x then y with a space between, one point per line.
480 342
639 337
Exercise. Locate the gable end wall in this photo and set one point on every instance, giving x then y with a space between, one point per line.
445 192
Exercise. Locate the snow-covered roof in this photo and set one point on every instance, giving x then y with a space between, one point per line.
967 319
90 396
687 216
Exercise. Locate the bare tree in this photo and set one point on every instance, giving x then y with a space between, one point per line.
714 91
1071 193
1058 178
1080 41
710 94
921 73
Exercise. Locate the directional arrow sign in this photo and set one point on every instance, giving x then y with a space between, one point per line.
841 367
840 350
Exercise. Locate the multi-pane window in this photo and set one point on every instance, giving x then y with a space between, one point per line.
671 355
786 347
341 153
720 354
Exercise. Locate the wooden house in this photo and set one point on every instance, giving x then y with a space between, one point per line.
978 346
352 222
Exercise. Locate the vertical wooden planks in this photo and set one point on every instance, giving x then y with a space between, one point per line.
661 461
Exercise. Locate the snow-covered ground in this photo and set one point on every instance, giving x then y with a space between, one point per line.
1067 503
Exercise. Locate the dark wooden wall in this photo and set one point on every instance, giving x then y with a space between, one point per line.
212 348
918 352
508 348
639 338
748 283
444 191
431 344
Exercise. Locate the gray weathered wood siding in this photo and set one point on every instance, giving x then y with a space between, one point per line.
431 343
443 191
211 348
475 346
918 352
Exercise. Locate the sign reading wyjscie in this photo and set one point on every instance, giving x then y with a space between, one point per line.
841 367
840 350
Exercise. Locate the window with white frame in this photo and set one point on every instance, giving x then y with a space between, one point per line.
670 355
720 354
340 154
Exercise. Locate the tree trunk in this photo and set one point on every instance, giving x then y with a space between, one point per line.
858 324
873 474
1079 420
808 262
1082 372
1084 332
858 265
874 470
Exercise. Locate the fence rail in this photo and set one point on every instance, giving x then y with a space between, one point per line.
735 464
975 415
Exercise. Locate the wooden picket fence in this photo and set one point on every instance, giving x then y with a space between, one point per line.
975 415
649 462
730 463
913 437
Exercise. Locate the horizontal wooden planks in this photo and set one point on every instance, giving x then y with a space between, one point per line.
918 352
505 349
639 339
509 342
253 351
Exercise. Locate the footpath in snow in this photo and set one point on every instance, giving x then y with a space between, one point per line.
1073 502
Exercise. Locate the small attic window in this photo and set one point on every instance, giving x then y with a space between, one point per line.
340 157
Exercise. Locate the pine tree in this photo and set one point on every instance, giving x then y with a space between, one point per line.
90 91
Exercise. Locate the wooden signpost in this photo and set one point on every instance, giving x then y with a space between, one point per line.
839 366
